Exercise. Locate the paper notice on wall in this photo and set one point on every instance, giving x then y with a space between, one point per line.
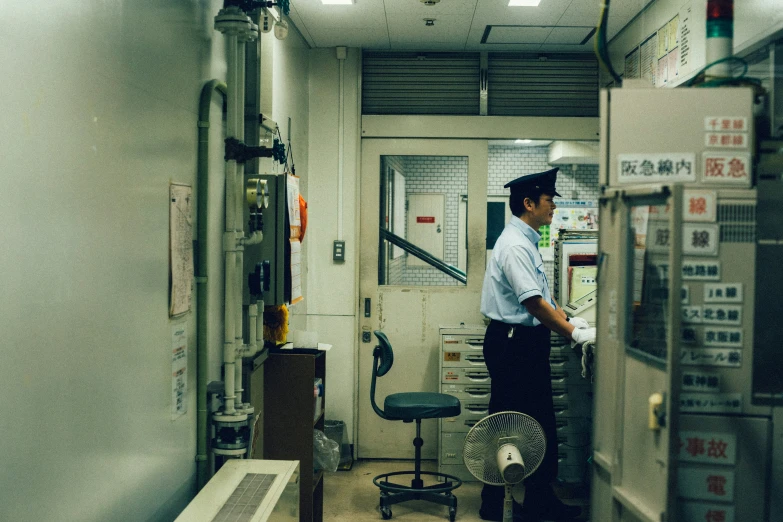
296 271
647 58
294 220
180 248
292 191
179 370
632 64
684 32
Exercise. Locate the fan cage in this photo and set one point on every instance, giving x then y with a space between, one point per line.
482 443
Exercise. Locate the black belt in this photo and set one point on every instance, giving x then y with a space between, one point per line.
511 328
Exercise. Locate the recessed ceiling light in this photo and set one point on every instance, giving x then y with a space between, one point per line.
337 2
524 3
523 141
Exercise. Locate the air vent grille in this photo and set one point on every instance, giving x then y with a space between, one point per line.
246 498
737 223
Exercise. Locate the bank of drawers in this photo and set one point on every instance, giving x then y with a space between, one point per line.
464 375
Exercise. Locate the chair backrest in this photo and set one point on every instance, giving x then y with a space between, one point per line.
383 359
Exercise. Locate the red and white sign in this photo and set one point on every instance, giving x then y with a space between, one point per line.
726 168
705 483
700 512
726 140
425 219
725 124
699 205
705 446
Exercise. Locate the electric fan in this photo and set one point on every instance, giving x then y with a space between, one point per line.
503 449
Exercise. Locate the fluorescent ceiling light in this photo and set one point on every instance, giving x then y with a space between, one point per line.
519 3
337 2
523 141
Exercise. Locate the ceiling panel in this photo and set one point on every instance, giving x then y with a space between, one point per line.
459 24
512 34
568 35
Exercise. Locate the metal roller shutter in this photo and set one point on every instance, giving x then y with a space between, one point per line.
420 83
524 84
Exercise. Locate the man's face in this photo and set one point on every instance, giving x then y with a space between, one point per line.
543 211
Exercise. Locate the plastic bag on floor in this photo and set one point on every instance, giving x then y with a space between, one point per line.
326 452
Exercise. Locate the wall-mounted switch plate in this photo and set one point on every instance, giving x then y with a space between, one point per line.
338 251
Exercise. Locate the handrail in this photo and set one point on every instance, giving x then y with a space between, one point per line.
425 256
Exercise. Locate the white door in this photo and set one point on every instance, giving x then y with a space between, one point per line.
410 315
637 356
425 225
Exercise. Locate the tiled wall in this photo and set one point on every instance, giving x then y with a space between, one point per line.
507 162
447 175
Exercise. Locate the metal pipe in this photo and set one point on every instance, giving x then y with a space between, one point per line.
425 256
202 288
340 141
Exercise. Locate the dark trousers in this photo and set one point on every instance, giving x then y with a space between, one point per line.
521 381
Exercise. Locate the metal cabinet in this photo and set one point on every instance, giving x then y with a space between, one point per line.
463 375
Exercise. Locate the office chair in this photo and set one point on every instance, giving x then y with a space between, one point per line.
408 407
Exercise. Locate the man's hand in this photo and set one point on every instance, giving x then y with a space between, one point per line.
583 335
578 322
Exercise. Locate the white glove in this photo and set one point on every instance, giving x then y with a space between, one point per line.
583 335
579 322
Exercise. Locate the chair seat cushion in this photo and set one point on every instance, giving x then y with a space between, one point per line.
420 405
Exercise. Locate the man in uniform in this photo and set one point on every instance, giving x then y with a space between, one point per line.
517 299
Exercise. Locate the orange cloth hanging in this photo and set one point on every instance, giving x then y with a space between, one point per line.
302 217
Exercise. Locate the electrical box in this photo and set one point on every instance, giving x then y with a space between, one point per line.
267 264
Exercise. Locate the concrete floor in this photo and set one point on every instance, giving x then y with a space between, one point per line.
351 496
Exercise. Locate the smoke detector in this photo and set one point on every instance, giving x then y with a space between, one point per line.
429 2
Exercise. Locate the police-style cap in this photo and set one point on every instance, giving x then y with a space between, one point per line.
541 181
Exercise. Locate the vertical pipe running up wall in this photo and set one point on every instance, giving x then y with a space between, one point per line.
229 237
341 54
202 294
239 219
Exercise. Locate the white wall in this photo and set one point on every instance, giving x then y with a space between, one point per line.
755 22
331 303
99 116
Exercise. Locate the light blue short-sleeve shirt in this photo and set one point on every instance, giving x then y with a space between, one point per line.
515 273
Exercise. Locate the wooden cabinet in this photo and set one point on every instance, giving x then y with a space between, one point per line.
290 418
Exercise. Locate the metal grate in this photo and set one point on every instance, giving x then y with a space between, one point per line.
556 84
738 233
420 83
736 213
246 498
737 223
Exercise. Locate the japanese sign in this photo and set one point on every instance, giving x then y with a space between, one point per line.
711 357
700 381
700 512
699 205
723 337
726 140
708 447
700 239
705 483
644 168
701 270
722 314
723 292
688 335
179 369
719 167
710 402
691 314
725 124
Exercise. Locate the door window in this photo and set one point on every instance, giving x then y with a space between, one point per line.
420 219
